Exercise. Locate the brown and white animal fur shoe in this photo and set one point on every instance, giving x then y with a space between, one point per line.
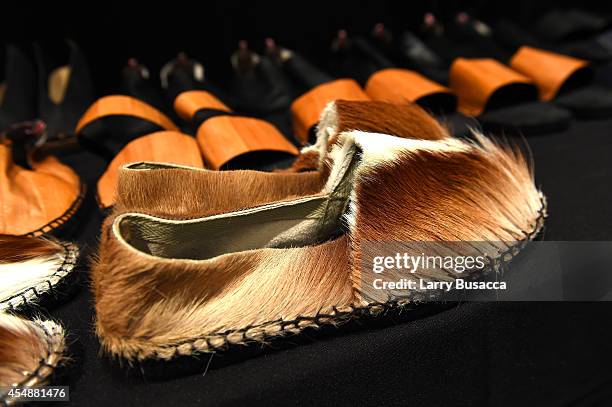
199 281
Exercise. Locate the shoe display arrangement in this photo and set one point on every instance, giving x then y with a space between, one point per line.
349 205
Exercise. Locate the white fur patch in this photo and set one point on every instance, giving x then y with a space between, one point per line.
377 147
16 277
327 127
22 282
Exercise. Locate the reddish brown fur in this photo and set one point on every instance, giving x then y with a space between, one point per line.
306 161
185 193
400 120
431 191
477 195
15 249
143 305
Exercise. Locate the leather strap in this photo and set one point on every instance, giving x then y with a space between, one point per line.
120 105
162 146
401 85
188 103
547 69
307 108
223 138
475 80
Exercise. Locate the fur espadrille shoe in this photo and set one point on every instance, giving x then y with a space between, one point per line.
30 351
168 287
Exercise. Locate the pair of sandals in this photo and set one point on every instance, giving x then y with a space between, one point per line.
134 127
193 260
521 97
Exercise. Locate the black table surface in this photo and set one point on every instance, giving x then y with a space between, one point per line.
471 354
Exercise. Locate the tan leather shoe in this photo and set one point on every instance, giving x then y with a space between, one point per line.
36 200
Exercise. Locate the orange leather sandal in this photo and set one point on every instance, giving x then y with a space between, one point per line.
408 121
500 98
315 89
227 140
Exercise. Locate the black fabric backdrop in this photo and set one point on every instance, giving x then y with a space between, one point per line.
508 354
472 354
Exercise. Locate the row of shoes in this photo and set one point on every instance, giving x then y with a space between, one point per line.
428 68
37 268
266 254
202 249
52 84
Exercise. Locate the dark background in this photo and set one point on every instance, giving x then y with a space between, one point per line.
153 32
532 354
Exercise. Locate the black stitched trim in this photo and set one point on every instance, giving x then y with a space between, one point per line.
54 224
71 255
247 333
